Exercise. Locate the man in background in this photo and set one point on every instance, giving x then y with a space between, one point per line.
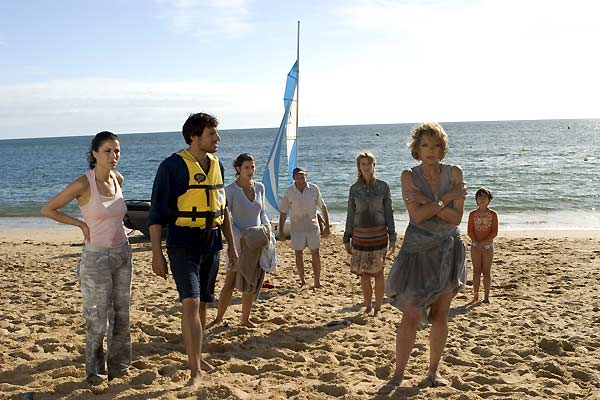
301 201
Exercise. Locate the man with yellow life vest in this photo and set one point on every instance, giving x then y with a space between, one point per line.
188 197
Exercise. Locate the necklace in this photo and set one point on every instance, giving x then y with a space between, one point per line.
432 177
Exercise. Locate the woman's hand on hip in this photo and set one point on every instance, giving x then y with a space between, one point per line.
85 229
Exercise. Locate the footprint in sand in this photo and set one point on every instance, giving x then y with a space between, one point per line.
328 377
145 378
270 367
326 359
332 390
49 345
63 372
244 369
22 354
170 370
278 321
551 346
585 376
452 360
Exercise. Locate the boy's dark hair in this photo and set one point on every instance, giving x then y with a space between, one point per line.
97 141
195 124
485 192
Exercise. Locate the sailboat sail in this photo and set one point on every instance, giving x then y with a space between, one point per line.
287 131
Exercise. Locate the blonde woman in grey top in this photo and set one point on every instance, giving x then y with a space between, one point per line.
430 267
370 233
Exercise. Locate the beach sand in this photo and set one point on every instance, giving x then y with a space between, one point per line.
538 339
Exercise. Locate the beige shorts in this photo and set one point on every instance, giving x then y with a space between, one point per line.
301 240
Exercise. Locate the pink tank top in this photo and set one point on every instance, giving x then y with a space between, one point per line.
104 215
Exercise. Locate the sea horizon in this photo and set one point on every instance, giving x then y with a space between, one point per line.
76 135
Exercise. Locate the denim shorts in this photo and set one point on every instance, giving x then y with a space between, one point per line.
195 273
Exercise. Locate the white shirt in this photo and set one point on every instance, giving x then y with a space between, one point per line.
302 207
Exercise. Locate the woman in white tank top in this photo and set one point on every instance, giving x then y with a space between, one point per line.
105 269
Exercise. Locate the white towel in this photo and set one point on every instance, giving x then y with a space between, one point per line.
268 257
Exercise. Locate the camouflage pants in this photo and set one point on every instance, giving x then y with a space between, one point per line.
105 282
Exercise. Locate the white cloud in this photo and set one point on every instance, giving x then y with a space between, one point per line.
207 19
472 60
71 107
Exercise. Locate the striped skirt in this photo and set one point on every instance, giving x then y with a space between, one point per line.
369 248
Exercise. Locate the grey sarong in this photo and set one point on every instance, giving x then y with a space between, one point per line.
428 265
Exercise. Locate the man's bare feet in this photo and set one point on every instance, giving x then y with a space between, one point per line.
194 381
249 324
435 380
376 310
206 367
368 309
486 300
475 299
301 284
216 322
318 285
395 380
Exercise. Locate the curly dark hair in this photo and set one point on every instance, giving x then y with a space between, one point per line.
195 124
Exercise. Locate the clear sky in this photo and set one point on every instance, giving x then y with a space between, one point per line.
81 66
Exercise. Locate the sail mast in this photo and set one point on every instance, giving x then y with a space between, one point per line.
287 132
297 90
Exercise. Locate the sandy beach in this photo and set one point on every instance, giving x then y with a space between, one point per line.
538 339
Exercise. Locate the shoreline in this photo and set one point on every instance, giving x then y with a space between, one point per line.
533 221
71 234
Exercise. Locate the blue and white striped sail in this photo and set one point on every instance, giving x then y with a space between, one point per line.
287 132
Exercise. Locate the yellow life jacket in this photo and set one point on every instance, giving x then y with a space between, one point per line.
203 203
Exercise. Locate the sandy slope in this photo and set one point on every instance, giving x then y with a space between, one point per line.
540 337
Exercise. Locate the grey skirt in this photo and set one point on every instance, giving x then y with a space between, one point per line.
428 265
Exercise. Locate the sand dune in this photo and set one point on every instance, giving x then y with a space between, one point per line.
538 339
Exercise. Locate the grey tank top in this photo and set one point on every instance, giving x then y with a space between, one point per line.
435 224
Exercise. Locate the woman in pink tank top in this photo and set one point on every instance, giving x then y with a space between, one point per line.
105 269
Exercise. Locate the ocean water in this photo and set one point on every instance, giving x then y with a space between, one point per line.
544 174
